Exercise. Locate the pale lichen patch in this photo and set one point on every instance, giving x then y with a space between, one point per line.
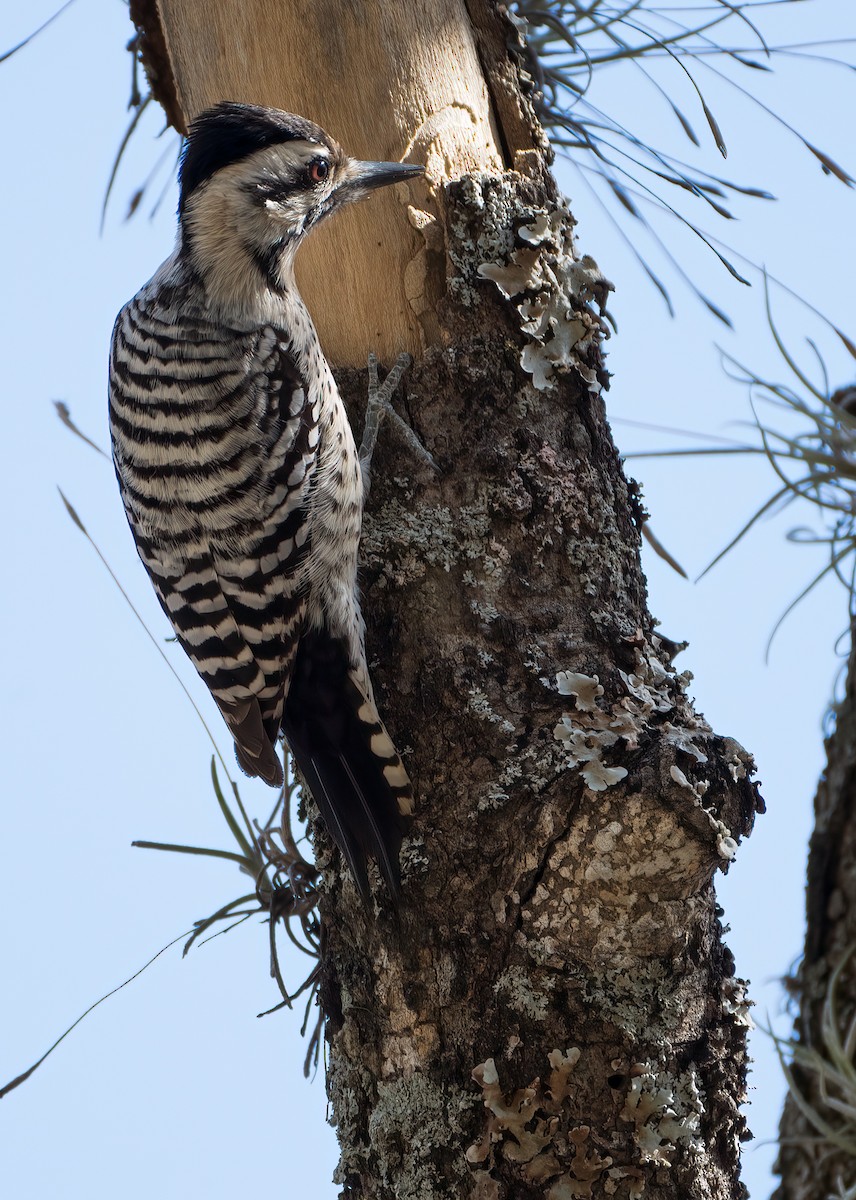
556 286
654 707
583 743
740 761
726 845
599 777
632 1175
666 1110
682 739
405 542
412 1118
481 706
524 994
650 689
617 884
680 778
736 1002
533 1133
494 205
586 689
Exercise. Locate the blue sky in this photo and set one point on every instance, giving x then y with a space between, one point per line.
174 1085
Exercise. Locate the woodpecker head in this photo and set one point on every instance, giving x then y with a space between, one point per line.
259 179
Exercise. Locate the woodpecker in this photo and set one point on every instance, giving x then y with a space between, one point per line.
240 476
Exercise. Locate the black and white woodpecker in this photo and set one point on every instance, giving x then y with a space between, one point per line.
240 476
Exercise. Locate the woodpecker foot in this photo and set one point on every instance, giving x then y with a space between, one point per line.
379 406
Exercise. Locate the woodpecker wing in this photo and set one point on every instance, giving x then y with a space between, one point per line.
240 633
215 445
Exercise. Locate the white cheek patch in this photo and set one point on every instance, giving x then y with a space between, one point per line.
286 211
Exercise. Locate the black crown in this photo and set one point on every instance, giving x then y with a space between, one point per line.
229 132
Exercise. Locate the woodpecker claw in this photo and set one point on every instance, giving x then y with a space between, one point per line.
379 405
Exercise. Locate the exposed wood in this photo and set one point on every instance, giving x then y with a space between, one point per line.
389 81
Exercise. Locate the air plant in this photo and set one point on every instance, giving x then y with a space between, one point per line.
806 430
566 45
831 1068
812 452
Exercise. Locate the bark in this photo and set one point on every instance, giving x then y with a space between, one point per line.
553 1012
812 1165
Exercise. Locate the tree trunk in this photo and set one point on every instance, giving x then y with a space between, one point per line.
553 1012
813 1164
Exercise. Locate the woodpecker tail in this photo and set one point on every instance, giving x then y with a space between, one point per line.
347 758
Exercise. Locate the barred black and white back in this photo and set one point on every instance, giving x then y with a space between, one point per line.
240 476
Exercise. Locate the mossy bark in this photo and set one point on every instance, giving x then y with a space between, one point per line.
552 1012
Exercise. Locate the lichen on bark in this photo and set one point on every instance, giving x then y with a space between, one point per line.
558 878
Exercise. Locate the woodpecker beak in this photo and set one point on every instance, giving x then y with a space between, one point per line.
364 177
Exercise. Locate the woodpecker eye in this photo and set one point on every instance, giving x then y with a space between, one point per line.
319 170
